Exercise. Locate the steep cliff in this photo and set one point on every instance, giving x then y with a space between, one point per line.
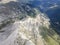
21 24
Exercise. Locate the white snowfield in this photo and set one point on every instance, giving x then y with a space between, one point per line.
8 37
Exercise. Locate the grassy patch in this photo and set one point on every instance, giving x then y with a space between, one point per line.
50 36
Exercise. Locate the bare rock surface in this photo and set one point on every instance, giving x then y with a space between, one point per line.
19 27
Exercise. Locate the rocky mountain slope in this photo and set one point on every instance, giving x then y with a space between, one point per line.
20 24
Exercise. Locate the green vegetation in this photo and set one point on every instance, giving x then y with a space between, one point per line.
33 12
50 36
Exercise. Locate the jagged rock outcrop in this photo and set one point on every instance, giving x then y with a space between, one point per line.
20 24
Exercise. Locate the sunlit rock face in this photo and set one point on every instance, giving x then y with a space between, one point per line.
6 1
29 31
20 24
20 1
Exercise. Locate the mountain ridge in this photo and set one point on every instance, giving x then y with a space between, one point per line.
26 26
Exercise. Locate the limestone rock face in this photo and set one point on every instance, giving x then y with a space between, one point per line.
20 1
6 1
29 31
20 24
